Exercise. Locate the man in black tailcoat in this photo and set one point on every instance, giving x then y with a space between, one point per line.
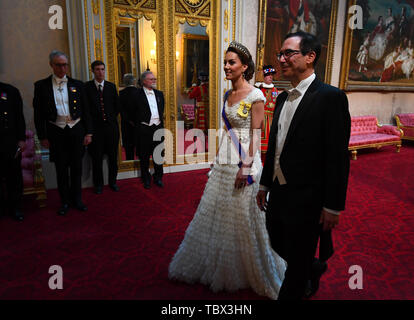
63 125
306 169
12 144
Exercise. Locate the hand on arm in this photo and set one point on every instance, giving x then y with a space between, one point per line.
329 220
261 200
87 140
22 145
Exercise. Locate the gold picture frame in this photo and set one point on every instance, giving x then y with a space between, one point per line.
191 68
276 15
375 57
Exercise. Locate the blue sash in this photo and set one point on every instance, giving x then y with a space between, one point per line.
234 138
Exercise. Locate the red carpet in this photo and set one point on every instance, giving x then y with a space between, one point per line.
121 247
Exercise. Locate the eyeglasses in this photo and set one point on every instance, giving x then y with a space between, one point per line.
61 65
151 79
287 54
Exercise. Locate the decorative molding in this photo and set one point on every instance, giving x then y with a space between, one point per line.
165 16
88 42
234 20
98 49
95 7
331 42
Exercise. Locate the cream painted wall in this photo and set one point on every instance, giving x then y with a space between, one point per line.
25 43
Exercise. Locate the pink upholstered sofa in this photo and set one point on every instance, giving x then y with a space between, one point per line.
405 122
188 115
33 180
367 133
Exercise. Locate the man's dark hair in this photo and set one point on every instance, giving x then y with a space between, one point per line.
97 63
308 43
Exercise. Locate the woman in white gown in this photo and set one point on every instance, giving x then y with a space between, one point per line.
226 245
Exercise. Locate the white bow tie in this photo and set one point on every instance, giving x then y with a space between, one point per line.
60 80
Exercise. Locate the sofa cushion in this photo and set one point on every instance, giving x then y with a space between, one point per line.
188 110
371 138
363 125
406 119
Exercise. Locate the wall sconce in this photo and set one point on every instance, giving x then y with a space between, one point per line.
177 55
153 54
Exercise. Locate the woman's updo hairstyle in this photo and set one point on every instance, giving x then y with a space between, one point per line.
244 56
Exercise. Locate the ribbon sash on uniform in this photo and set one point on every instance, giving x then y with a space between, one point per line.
234 138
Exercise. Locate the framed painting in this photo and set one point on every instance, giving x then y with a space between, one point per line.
379 56
195 59
277 18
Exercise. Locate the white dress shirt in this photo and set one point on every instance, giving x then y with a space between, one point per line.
292 102
97 84
61 96
152 101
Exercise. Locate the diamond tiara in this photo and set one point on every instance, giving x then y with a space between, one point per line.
241 48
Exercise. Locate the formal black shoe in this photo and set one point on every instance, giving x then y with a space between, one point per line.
63 209
318 269
158 183
114 187
98 190
147 185
80 206
18 215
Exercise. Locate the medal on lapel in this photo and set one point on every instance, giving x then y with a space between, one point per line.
244 108
72 89
3 96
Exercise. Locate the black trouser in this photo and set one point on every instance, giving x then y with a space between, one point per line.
299 244
146 149
104 141
128 140
294 233
68 150
11 175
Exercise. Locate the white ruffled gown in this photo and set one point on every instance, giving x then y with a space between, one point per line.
226 245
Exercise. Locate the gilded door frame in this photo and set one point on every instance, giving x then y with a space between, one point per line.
165 16
207 14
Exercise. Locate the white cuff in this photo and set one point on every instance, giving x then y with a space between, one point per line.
263 188
335 212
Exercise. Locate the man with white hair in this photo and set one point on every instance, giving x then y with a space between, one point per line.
63 125
149 119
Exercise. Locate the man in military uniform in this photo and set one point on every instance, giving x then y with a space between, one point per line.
104 107
63 124
12 144
200 94
270 93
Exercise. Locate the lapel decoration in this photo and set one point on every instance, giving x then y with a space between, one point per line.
4 96
244 109
72 89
